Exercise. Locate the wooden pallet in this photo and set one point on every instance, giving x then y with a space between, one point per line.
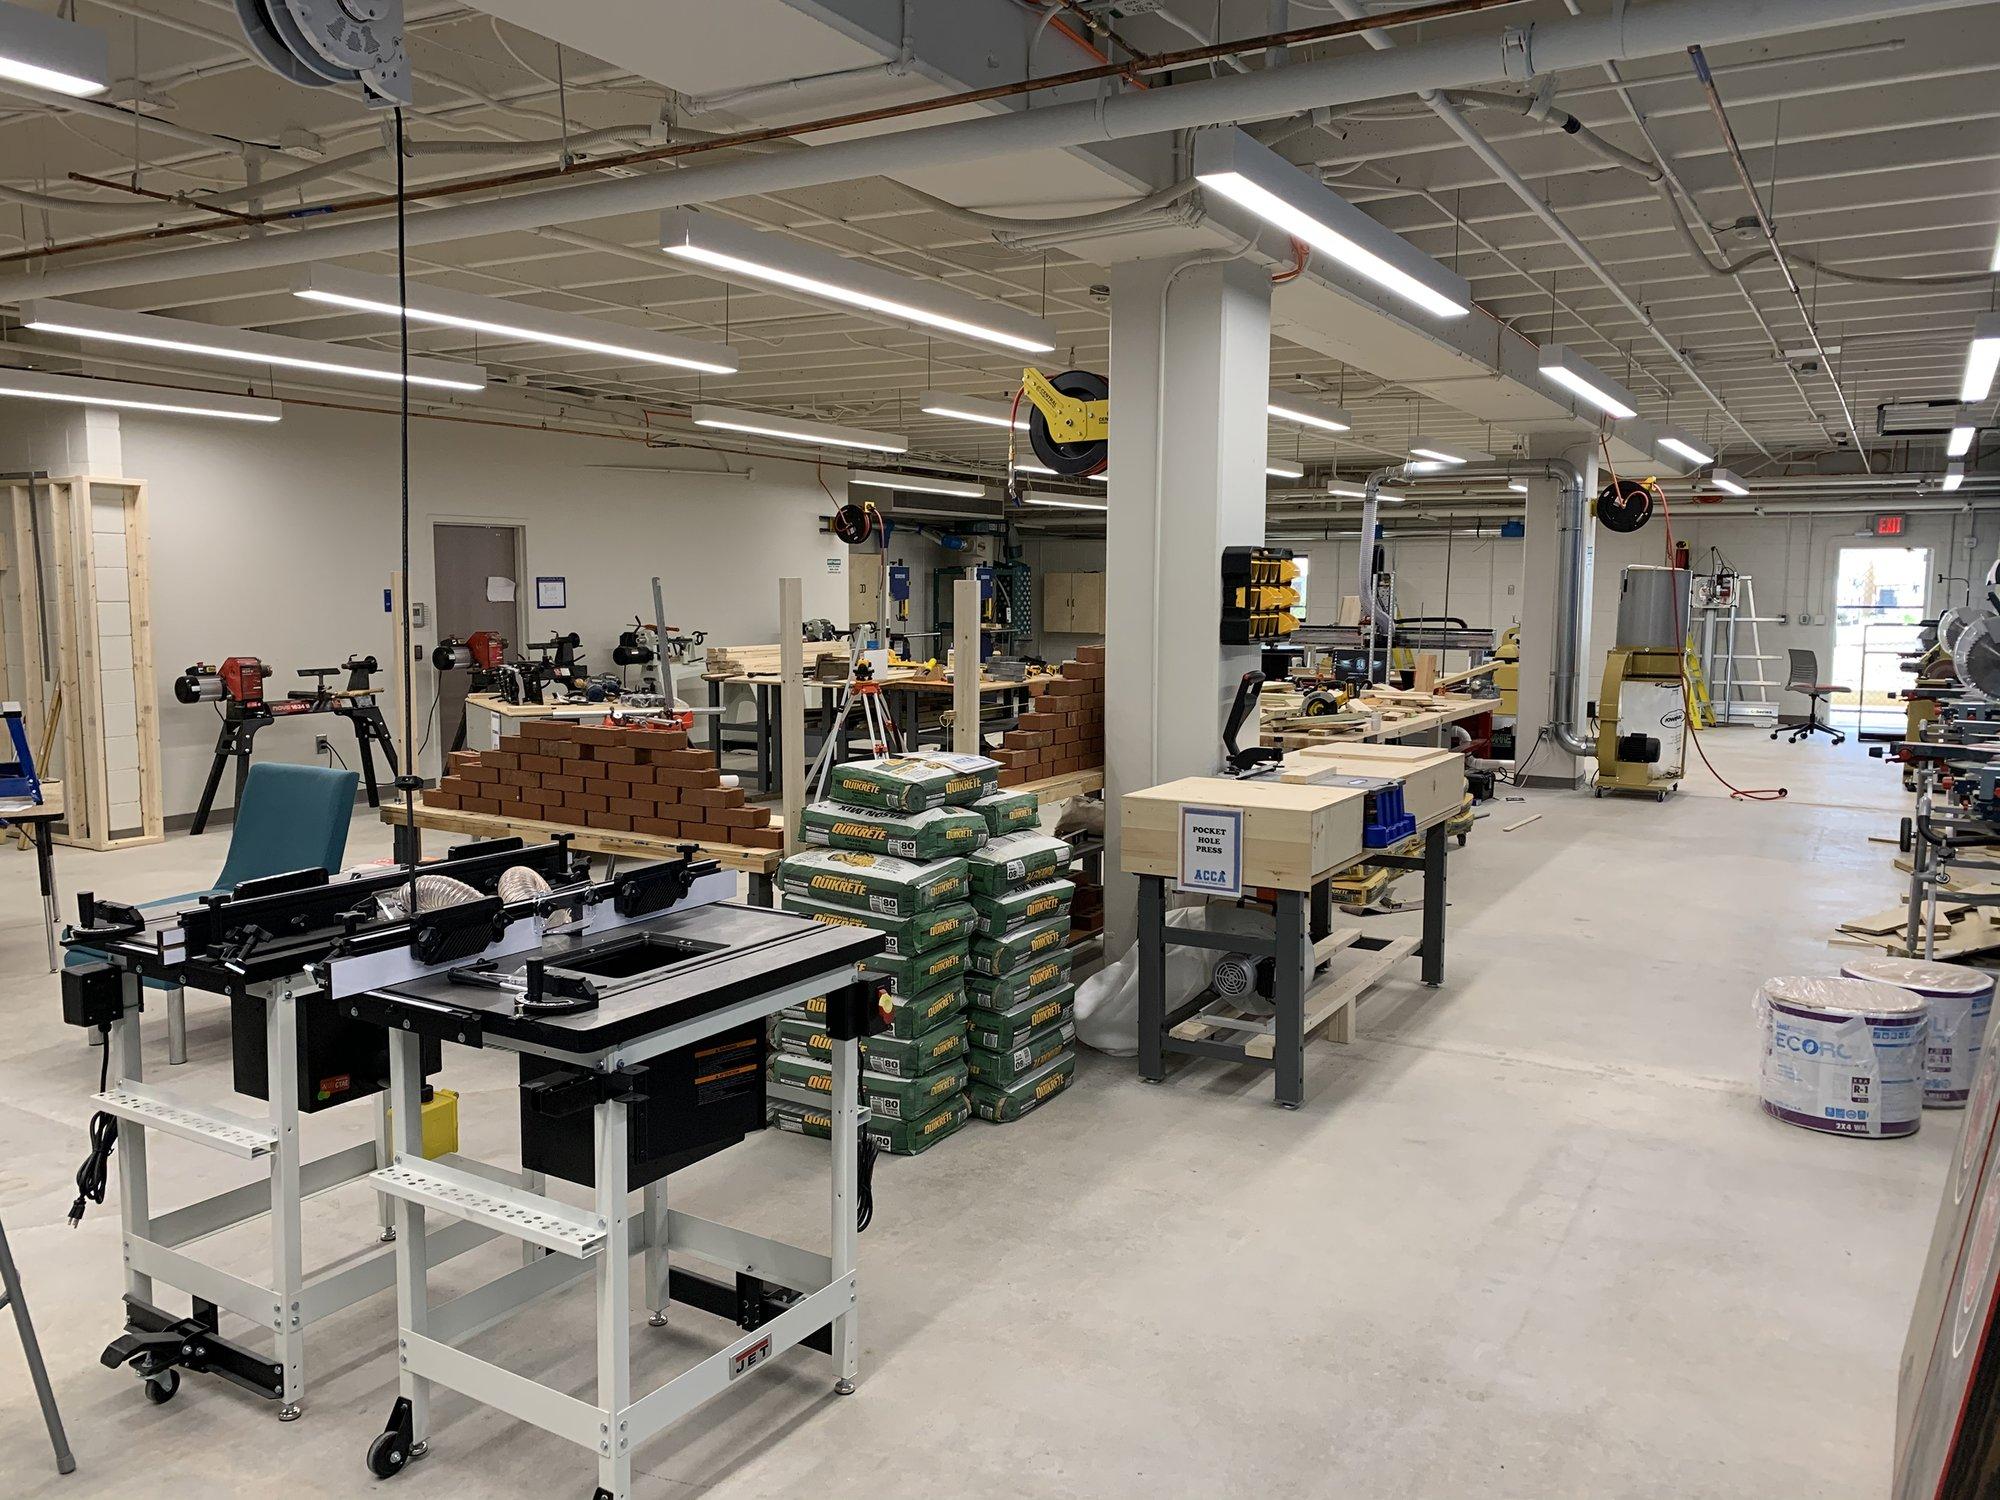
1329 1005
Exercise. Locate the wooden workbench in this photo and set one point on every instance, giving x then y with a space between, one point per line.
759 864
1431 714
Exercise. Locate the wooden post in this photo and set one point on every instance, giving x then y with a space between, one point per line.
965 666
791 706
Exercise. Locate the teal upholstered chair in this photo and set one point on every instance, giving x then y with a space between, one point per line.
290 818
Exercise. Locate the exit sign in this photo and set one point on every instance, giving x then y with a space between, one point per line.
1889 525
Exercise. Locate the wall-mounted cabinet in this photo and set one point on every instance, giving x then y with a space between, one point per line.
1072 604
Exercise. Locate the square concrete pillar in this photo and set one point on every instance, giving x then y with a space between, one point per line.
1190 379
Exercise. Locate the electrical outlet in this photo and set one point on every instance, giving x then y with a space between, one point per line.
320 745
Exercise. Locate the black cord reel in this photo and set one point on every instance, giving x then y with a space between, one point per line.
1625 505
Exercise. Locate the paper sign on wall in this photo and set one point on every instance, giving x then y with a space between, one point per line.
499 590
552 593
1211 850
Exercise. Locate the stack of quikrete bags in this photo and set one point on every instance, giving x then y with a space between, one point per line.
1020 1025
890 847
619 778
1063 730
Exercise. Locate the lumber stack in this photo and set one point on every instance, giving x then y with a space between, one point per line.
767 661
623 779
1063 731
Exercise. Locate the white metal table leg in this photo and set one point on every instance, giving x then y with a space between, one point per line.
134 1199
385 1152
846 1333
534 1182
406 1089
614 1302
177 1026
657 1297
281 1040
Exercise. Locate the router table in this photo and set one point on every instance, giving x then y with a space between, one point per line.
640 1029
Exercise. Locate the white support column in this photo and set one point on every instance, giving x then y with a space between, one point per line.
614 1301
281 1042
1541 562
1190 369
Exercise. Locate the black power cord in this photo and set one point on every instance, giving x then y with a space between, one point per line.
864 1184
95 1172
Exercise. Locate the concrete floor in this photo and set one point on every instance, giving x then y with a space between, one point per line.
1530 1236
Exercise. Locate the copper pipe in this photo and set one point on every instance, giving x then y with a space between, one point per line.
158 197
1157 63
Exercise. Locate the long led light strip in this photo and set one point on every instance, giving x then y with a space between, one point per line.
1982 358
1448 454
1055 504
1289 408
1574 373
738 251
971 409
34 385
1960 442
148 331
1727 481
338 287
1682 444
795 430
1277 468
1230 163
47 52
883 479
1954 476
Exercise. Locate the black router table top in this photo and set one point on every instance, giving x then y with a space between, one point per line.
756 952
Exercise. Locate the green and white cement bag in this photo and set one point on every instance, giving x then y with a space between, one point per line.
891 1097
915 1057
1003 1030
1004 991
873 882
897 1137
1017 859
1032 1092
911 783
1009 812
1034 1050
1003 955
912 974
935 833
906 935
1002 914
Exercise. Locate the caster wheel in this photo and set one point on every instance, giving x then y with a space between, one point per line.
1600 791
1461 841
162 1388
387 1455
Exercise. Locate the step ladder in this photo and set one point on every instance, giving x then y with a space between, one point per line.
10 1297
1732 657
1697 681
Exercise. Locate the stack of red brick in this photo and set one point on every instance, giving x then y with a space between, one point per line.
1063 731
623 780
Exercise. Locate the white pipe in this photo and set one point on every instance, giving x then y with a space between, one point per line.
1457 62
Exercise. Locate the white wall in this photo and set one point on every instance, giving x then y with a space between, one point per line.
279 542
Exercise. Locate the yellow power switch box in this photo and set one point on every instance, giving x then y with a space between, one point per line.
440 1124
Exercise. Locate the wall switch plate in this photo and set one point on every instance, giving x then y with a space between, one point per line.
420 615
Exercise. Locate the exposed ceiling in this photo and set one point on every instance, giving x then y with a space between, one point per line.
1874 148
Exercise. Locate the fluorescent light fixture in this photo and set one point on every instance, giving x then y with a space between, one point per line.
1064 503
1277 468
1102 476
1808 352
740 252
796 430
511 320
971 409
1346 492
883 479
34 385
1427 466
1518 486
1022 466
1954 476
1574 373
1995 265
1681 443
1449 454
1960 442
1287 407
47 52
1228 162
1982 358
1727 481
145 330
